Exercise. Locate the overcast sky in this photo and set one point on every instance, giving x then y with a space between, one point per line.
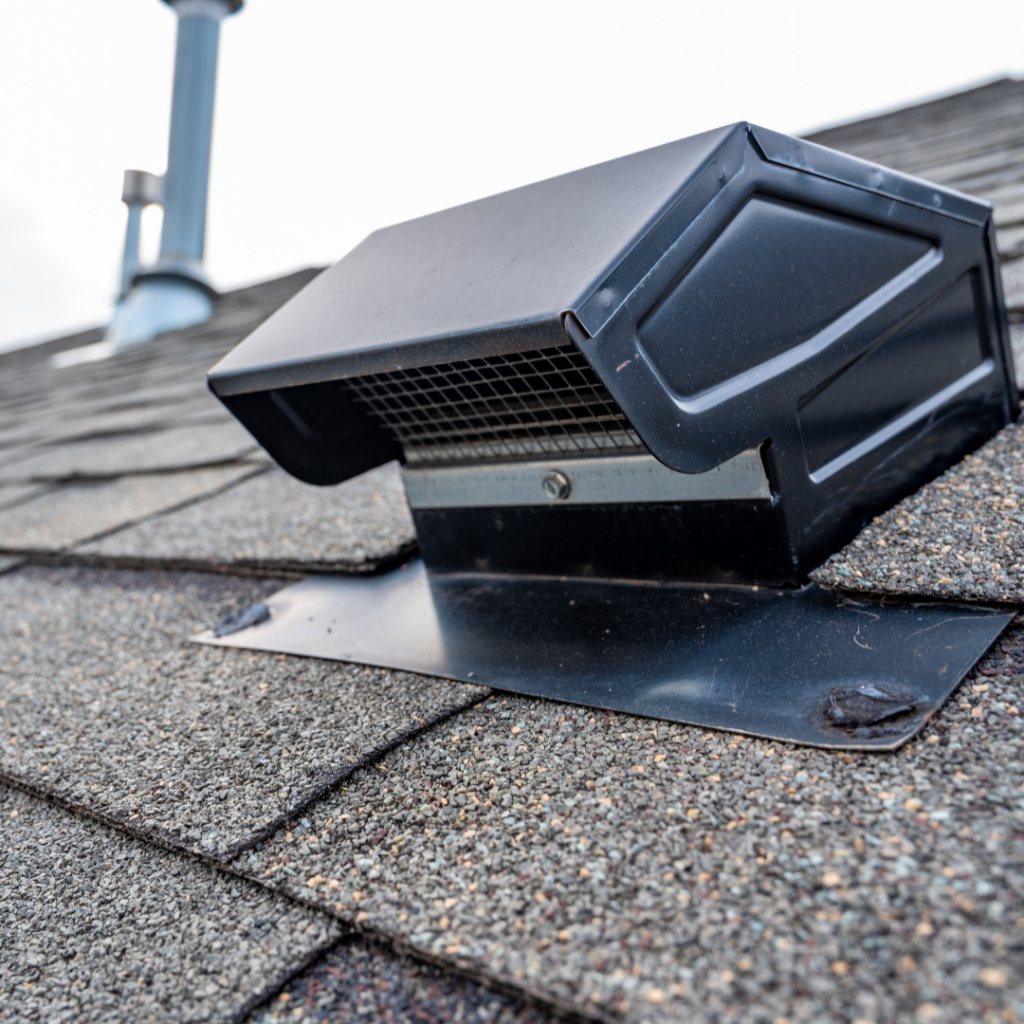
334 118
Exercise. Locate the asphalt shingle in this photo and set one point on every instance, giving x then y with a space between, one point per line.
616 867
362 981
959 536
58 519
105 703
14 494
1017 346
1013 283
157 451
129 415
273 523
96 926
146 382
659 872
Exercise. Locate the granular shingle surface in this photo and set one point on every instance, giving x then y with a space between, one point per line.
145 452
1017 346
14 494
59 519
960 536
1013 283
95 926
362 981
154 413
274 522
664 873
104 702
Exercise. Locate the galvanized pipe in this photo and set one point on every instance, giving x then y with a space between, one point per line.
140 189
130 261
188 157
175 292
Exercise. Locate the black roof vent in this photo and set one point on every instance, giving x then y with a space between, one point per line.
736 291
708 363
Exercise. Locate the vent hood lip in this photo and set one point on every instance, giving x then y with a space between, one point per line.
520 257
502 339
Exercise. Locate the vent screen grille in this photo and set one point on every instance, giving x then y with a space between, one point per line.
516 406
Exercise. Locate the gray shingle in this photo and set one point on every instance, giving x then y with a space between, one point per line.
959 536
362 981
14 494
59 519
95 926
105 702
273 522
188 447
666 873
1013 285
126 415
40 403
728 879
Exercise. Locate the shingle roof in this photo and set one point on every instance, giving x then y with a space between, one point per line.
225 816
970 141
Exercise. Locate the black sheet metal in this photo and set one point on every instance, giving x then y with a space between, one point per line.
738 291
731 291
783 664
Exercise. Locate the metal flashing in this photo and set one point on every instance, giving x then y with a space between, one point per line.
745 659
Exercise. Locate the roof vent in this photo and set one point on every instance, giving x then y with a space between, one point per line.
175 292
652 395
140 189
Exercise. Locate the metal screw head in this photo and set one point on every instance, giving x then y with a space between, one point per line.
556 486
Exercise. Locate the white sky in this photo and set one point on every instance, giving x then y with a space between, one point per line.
336 117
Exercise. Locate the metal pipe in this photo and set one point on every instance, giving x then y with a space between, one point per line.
175 292
130 262
140 189
188 156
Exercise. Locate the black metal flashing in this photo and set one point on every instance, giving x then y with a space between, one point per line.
807 666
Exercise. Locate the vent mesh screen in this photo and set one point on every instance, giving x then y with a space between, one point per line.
517 406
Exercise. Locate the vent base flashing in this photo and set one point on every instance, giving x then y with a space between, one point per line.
745 659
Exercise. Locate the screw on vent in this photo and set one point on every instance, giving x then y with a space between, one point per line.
556 486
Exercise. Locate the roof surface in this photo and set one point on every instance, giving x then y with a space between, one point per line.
189 833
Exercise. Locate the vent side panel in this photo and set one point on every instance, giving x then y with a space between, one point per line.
936 348
741 542
777 275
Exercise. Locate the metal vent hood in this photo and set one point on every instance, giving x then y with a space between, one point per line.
705 365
